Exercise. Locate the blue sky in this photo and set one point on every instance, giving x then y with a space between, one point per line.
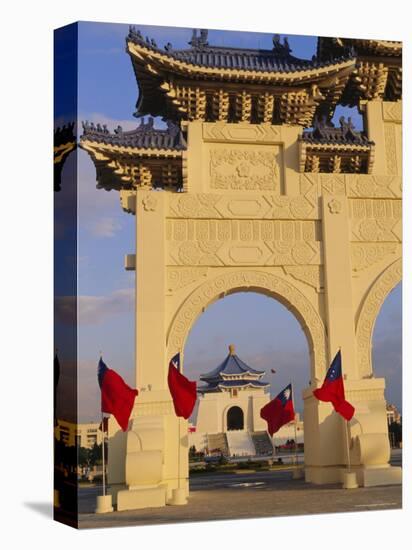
266 335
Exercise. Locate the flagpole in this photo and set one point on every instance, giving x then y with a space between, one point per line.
103 457
347 442
178 456
294 423
178 430
346 428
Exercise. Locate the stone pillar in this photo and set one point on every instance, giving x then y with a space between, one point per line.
326 452
150 291
338 283
325 443
150 461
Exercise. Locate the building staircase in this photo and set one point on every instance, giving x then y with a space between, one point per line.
240 443
263 444
217 441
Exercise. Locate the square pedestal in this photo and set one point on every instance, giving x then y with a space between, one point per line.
136 499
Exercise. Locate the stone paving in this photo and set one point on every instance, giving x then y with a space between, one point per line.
243 496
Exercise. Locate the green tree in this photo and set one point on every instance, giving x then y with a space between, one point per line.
95 454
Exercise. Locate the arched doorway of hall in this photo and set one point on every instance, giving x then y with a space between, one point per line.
235 419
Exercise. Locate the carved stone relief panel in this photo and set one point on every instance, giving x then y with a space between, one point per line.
375 220
392 111
363 255
238 168
311 275
391 149
181 277
374 186
352 185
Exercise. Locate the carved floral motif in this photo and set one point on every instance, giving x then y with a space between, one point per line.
244 170
366 254
334 206
181 277
310 275
374 186
149 202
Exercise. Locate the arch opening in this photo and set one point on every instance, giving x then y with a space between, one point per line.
369 312
387 358
272 286
266 337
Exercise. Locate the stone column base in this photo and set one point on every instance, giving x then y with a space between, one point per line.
323 475
374 476
366 476
135 499
178 497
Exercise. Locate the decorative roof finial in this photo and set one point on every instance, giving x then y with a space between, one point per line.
231 349
199 42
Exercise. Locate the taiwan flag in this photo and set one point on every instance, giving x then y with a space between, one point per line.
279 411
183 391
332 389
117 397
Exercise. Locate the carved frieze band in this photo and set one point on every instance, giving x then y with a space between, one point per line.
242 133
391 150
357 185
154 408
243 230
364 395
269 284
237 253
369 312
248 205
270 206
374 220
243 242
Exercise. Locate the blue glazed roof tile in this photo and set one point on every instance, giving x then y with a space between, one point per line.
231 366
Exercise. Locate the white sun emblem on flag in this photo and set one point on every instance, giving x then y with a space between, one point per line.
286 393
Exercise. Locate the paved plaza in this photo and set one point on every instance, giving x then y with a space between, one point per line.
247 495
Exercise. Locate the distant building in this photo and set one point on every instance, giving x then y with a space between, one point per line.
392 414
287 432
84 435
228 419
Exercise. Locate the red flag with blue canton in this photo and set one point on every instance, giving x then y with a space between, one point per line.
183 390
333 391
117 397
279 411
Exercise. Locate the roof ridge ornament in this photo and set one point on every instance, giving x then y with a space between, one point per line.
199 42
283 49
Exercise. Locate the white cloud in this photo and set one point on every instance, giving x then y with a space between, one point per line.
93 310
104 227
